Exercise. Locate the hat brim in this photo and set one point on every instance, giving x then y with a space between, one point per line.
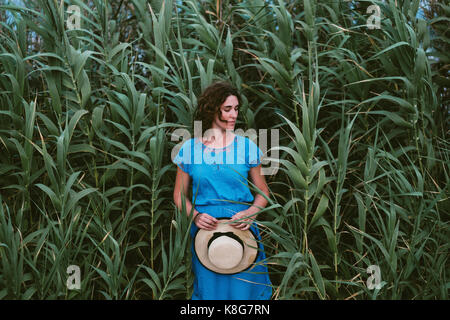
248 237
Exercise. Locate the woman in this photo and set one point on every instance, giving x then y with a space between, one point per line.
219 164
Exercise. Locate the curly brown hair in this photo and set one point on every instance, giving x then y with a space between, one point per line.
209 102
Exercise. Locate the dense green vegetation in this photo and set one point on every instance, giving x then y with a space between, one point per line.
86 117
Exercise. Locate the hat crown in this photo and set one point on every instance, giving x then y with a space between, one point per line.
225 252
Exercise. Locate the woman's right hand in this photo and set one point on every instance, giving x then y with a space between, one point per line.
205 221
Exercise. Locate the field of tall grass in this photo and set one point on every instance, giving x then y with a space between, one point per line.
86 122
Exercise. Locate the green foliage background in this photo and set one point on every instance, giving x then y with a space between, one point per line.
86 117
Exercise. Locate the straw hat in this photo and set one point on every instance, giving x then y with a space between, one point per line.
226 250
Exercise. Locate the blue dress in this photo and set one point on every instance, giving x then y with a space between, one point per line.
218 177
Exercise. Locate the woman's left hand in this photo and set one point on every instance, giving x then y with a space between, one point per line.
244 218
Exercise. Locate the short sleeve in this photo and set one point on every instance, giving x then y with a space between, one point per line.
183 157
254 156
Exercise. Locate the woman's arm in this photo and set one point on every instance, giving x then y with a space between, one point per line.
182 181
182 186
259 202
260 182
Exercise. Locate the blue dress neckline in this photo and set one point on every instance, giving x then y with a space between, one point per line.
221 148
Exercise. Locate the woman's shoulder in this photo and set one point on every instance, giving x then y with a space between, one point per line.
245 140
188 142
191 145
251 150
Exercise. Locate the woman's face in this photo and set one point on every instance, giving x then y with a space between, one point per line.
229 111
